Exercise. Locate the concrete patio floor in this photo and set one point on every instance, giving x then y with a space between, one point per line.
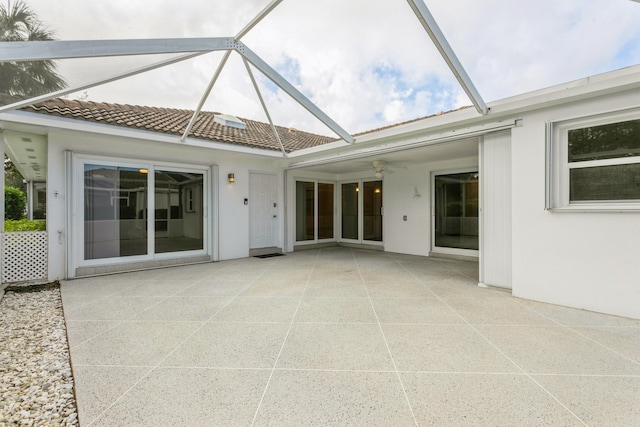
341 337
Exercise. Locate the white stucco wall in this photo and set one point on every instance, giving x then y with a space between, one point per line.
232 232
586 260
414 235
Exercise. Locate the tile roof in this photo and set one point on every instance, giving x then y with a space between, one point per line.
174 122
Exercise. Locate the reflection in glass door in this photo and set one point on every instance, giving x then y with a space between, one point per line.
179 215
372 211
456 211
314 211
350 210
115 200
123 218
325 211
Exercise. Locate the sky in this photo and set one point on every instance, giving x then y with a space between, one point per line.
366 63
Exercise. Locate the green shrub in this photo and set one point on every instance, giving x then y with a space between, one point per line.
15 202
24 225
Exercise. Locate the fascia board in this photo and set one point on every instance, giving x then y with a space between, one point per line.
589 87
408 141
67 124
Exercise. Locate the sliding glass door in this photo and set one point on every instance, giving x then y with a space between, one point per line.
135 212
314 211
372 211
179 210
456 212
362 211
350 211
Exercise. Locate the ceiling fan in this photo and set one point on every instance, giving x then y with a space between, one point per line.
379 167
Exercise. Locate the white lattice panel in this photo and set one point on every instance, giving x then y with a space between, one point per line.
24 256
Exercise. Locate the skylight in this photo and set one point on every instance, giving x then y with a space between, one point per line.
230 121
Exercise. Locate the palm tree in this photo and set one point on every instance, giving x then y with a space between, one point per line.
21 80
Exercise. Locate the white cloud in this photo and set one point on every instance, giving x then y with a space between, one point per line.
367 63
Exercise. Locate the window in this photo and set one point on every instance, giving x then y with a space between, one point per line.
594 163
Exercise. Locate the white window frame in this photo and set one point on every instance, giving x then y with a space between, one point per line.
77 224
558 167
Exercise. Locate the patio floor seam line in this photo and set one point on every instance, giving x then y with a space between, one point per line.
284 341
386 343
172 351
117 293
505 355
606 347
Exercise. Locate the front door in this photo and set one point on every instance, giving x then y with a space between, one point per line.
262 210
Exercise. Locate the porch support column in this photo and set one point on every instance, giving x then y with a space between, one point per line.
30 200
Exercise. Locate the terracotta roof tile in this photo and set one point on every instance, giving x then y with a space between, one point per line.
174 122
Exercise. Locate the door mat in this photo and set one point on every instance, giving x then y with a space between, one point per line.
268 255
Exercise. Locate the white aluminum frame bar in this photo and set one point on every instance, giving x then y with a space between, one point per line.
259 17
205 95
51 50
283 84
113 78
440 41
264 106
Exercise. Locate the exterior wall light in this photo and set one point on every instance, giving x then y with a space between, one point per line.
232 179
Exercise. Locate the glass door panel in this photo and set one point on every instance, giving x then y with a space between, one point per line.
456 207
305 207
372 210
115 199
350 211
325 211
179 211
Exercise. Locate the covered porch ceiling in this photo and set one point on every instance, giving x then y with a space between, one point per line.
399 160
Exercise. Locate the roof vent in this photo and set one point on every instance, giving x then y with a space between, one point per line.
229 120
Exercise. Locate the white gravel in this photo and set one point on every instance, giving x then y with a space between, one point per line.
36 384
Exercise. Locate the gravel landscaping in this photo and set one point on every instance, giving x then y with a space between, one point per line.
36 383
